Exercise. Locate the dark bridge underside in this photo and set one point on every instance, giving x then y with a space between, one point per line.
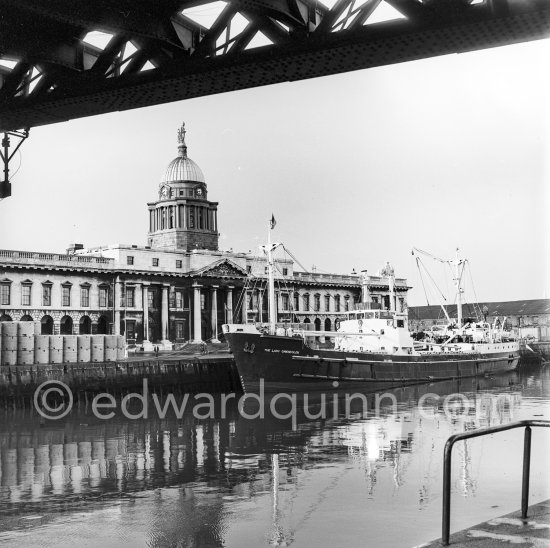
59 77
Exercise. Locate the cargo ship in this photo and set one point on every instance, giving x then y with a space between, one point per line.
373 348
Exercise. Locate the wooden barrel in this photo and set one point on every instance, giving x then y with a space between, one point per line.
9 343
98 348
69 348
110 348
41 349
25 343
84 348
56 348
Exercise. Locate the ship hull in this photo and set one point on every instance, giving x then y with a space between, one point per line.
287 364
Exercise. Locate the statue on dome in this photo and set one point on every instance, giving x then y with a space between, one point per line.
181 134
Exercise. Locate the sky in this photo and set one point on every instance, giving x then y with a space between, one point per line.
357 168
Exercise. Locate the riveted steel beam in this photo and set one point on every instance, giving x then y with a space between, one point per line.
191 60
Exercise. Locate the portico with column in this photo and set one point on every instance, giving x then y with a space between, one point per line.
165 342
197 336
214 316
229 304
147 344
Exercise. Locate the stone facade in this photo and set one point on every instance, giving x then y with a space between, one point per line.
180 286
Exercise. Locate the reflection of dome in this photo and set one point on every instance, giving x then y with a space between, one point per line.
182 168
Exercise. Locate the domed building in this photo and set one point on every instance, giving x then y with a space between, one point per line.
183 218
180 286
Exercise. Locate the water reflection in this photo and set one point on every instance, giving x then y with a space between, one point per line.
231 481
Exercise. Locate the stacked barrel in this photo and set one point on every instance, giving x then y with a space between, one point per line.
22 344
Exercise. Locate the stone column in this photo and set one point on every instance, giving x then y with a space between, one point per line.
164 316
197 313
215 314
229 304
116 305
146 342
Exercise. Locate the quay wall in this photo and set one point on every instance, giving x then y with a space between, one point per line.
18 383
96 363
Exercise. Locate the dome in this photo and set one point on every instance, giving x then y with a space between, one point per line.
182 168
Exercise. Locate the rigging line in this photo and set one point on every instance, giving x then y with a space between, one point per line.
295 259
480 313
433 281
422 280
429 255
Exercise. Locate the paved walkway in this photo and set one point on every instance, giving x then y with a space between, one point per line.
509 530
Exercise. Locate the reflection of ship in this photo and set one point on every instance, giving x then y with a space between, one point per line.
372 347
207 465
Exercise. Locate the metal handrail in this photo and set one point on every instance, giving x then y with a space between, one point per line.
527 424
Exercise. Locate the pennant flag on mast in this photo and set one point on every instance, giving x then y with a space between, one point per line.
272 222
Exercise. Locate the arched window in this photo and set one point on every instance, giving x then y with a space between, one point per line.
85 325
66 325
102 325
46 325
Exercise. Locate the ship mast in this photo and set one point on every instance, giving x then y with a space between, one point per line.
458 277
268 250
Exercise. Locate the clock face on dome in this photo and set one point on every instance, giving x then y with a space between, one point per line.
199 191
164 191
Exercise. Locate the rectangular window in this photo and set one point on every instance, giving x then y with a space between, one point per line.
337 303
155 261
346 303
179 330
66 295
178 263
317 303
129 259
26 295
130 330
46 295
103 296
306 303
5 293
285 271
248 268
130 297
285 300
179 300
327 303
296 302
203 301
150 298
84 296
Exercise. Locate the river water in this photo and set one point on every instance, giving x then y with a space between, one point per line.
368 472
